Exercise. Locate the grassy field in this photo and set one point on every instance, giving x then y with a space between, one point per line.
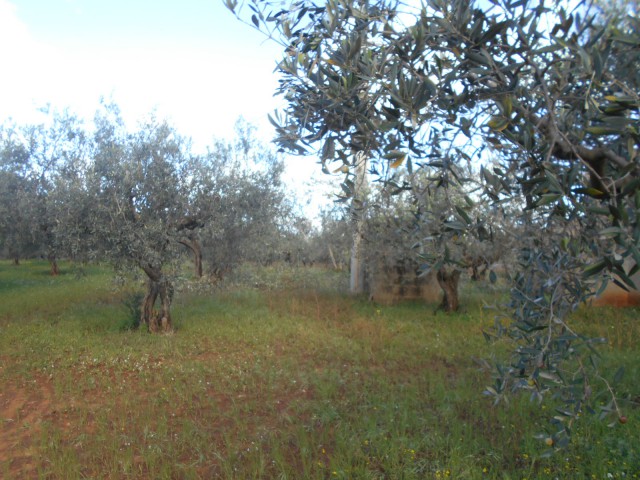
286 379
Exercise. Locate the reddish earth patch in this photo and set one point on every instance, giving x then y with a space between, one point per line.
23 407
31 409
615 296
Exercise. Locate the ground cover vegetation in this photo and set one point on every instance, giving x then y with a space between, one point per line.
286 379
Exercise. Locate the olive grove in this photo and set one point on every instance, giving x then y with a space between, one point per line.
17 198
136 198
248 219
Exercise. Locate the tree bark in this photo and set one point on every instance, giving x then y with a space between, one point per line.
333 259
448 281
159 287
55 271
478 270
193 245
356 283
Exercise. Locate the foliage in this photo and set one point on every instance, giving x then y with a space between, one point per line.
135 198
17 198
251 212
436 230
551 96
132 301
135 184
137 195
325 242
332 240
38 160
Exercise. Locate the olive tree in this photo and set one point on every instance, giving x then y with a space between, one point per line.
135 185
58 148
441 231
329 243
550 95
455 238
37 159
241 202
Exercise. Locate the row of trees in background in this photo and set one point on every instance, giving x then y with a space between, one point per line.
141 199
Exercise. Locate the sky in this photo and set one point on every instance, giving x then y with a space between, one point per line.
190 61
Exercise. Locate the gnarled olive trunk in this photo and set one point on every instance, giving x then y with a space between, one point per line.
190 225
158 288
448 281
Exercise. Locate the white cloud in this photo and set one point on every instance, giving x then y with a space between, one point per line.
10 27
26 66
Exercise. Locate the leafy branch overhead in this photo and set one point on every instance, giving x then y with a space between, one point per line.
381 77
551 94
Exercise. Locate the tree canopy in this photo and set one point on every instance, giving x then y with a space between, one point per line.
550 94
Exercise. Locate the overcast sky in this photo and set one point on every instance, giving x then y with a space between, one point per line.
191 60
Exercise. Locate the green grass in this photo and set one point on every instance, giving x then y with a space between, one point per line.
287 379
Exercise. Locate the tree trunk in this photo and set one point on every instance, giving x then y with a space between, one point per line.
157 321
333 259
16 261
193 245
448 281
356 283
55 271
478 270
